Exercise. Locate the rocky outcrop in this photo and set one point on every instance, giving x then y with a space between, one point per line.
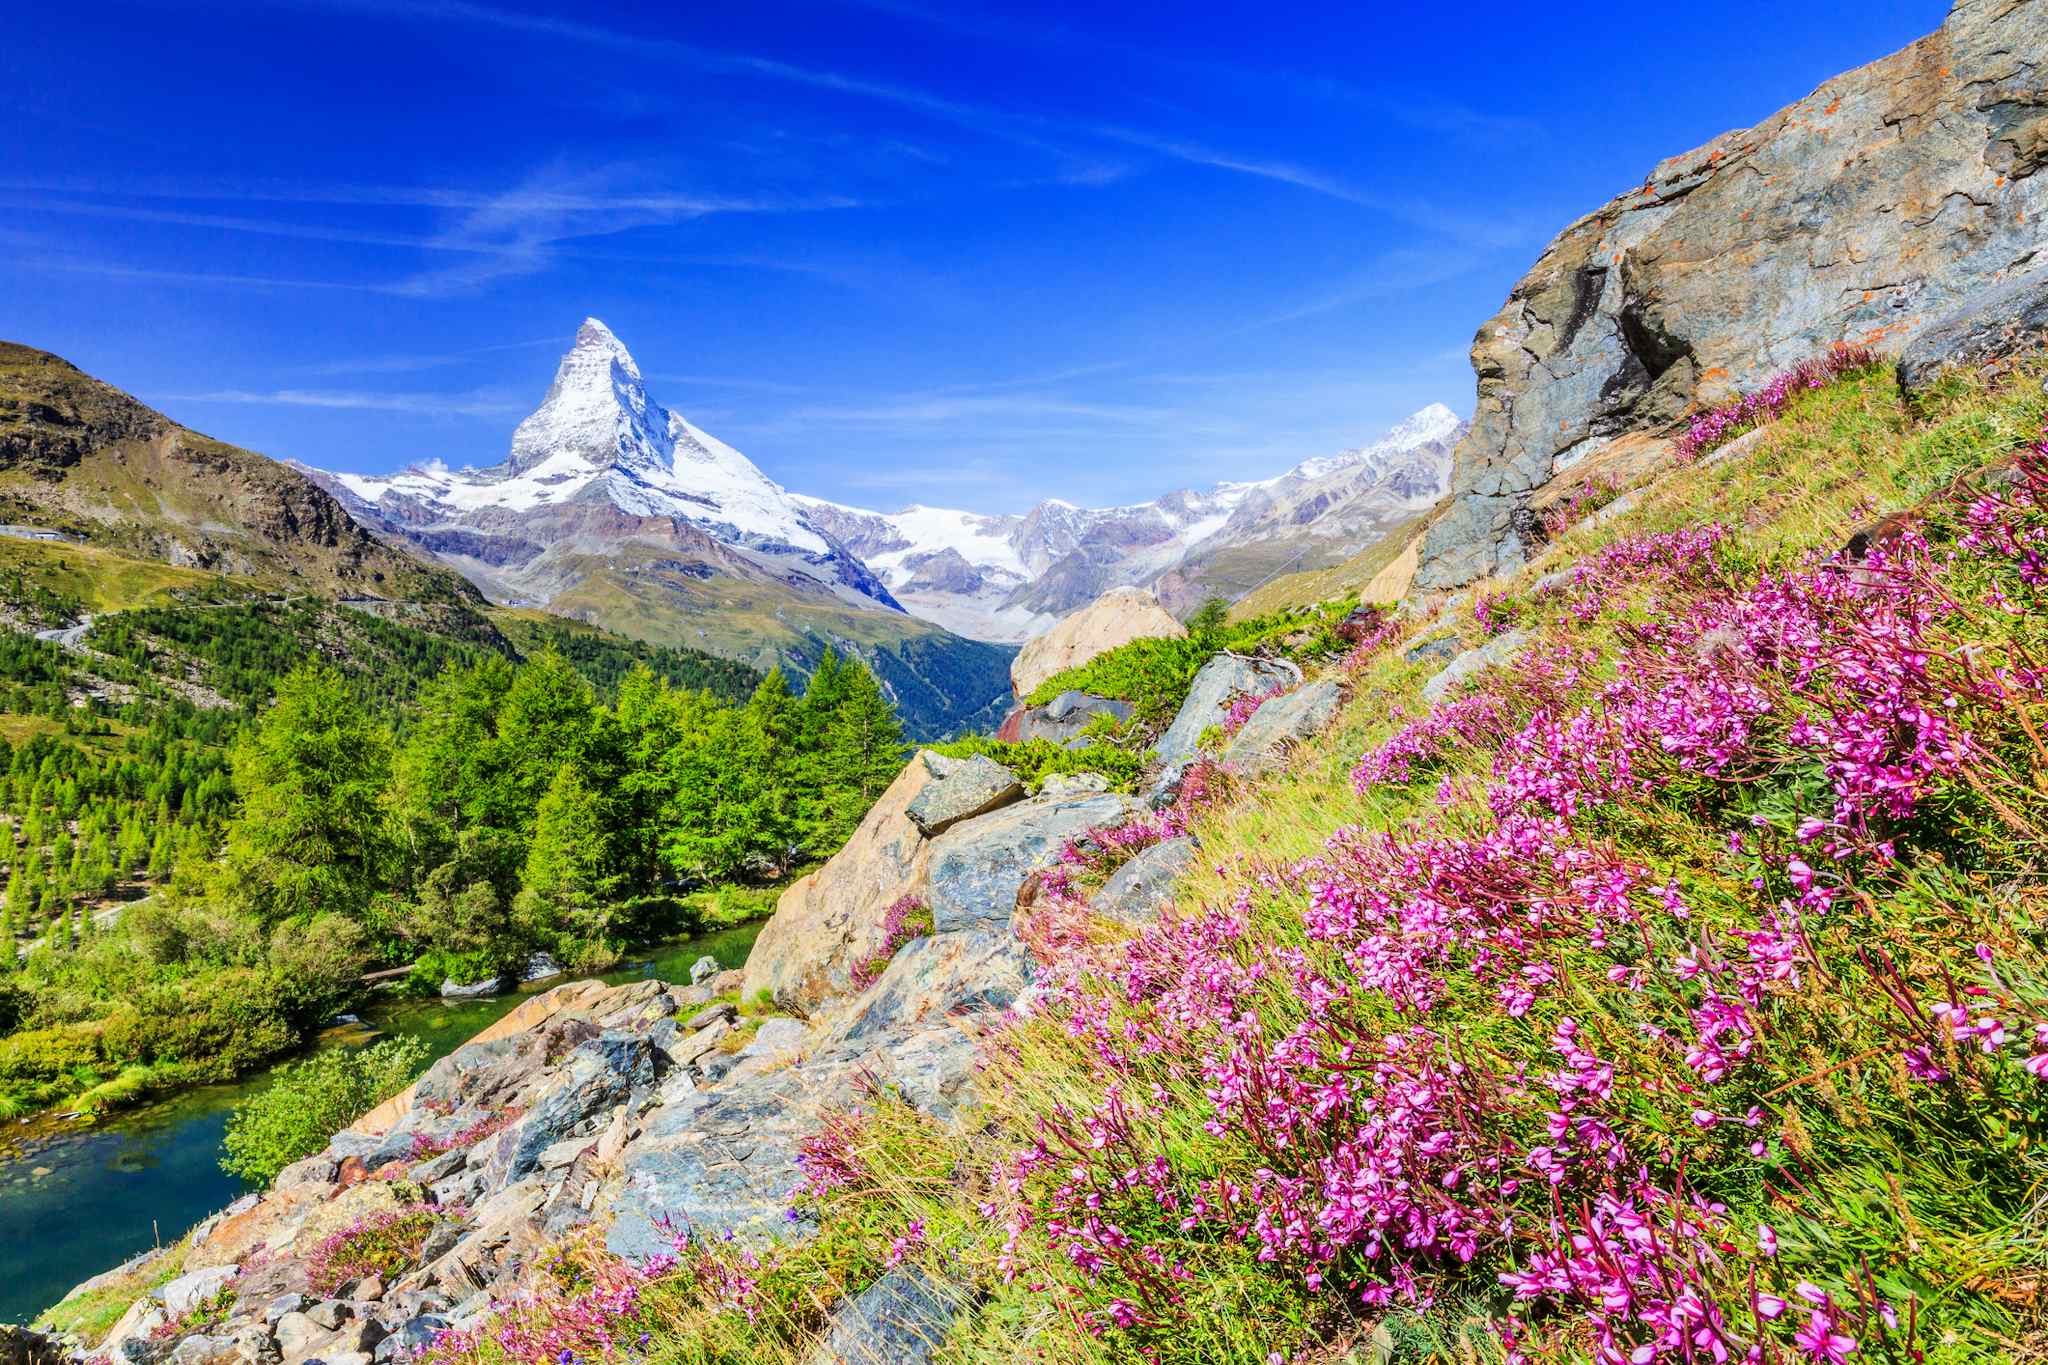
831 920
1880 203
1118 617
1995 323
1221 681
602 1111
960 789
978 868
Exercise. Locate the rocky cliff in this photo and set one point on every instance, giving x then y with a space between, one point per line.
1865 212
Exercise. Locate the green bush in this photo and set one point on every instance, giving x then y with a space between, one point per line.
1036 759
44 1054
306 1102
1154 675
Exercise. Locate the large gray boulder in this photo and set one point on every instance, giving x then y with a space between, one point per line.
724 1160
1991 323
978 868
829 922
1279 724
1882 201
1221 681
934 977
1142 889
900 1319
960 789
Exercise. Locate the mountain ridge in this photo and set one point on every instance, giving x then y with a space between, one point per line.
1008 576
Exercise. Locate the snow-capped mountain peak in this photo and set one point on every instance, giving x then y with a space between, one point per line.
597 410
1008 576
599 442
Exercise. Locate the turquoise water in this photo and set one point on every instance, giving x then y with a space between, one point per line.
109 1192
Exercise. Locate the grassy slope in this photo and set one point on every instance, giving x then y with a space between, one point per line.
102 580
1841 460
1320 585
1879 1187
81 456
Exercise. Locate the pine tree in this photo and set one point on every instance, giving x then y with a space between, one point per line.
863 750
309 835
571 878
545 721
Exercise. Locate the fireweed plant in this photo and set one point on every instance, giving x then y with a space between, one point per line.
906 919
1717 426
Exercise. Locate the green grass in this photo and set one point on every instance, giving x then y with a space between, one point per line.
103 580
91 1315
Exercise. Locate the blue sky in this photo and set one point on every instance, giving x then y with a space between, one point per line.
896 253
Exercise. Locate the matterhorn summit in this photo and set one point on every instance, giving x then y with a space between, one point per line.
598 469
597 411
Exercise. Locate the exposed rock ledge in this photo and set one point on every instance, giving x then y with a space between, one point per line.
1866 212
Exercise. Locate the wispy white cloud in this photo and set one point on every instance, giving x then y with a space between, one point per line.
940 409
1412 106
479 403
114 271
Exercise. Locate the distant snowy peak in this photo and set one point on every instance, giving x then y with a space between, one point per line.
599 446
596 411
597 433
1433 425
984 575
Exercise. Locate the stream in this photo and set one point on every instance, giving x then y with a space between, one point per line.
85 1200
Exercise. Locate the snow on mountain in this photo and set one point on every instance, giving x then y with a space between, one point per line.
1007 577
600 458
601 471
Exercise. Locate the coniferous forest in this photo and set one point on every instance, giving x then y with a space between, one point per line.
191 890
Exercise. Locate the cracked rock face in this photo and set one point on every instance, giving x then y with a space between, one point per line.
1865 212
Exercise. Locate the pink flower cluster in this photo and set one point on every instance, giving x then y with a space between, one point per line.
598 1307
1244 707
1589 497
906 919
1495 612
1504 1042
426 1145
374 1243
1717 426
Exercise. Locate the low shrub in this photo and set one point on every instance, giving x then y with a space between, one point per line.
1154 675
307 1102
1034 760
375 1244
